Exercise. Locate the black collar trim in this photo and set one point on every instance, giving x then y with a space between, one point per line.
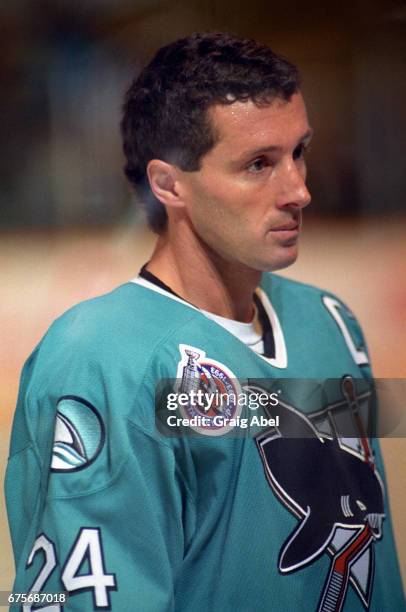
267 332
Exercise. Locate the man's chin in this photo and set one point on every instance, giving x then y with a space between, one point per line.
284 260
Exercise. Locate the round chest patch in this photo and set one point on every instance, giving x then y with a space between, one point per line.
219 409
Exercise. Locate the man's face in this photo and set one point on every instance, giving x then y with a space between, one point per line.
246 200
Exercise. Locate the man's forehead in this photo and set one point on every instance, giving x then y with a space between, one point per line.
250 121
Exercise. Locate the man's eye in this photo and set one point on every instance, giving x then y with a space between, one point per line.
300 151
257 165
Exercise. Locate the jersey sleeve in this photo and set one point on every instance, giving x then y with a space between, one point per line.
95 501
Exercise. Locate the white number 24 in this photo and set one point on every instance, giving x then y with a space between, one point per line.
88 546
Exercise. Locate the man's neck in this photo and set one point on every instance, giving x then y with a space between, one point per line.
203 278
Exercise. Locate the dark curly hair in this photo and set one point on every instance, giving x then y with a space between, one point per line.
165 108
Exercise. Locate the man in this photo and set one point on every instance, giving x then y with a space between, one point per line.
122 504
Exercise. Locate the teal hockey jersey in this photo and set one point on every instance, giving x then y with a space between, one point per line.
128 512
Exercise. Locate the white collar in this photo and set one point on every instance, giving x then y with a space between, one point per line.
249 333
281 358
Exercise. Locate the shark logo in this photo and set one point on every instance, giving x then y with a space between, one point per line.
78 436
334 491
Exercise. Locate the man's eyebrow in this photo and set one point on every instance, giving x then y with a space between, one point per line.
307 136
305 139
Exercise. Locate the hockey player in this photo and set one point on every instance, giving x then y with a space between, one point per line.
107 500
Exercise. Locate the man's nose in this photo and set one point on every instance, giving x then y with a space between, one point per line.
293 190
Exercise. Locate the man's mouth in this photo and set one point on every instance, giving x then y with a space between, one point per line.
291 226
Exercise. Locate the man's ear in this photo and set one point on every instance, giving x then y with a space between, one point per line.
163 181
